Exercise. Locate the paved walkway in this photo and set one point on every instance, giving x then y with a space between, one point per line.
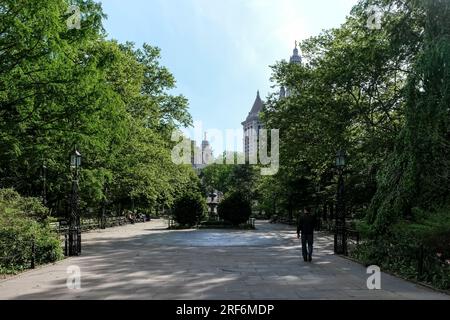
145 261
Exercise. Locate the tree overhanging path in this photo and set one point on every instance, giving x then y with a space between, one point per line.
144 261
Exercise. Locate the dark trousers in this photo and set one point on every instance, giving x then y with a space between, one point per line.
307 245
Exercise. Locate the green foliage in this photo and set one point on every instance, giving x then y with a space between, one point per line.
383 97
230 178
433 229
243 180
235 208
217 177
22 222
189 209
62 88
426 239
214 224
347 95
269 192
417 172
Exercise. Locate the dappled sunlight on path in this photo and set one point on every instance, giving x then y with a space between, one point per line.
145 261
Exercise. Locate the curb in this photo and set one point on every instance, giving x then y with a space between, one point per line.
422 284
40 267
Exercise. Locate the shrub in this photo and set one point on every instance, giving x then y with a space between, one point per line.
189 209
235 208
215 223
22 222
410 244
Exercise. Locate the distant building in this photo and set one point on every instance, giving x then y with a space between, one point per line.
203 156
207 154
196 154
295 59
252 126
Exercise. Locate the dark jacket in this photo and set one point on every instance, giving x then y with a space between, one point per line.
306 224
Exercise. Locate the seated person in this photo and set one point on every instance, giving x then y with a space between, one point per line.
130 217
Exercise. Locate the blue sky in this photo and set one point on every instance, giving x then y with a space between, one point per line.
220 51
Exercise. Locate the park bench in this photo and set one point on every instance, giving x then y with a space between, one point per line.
274 219
89 224
252 222
140 218
354 235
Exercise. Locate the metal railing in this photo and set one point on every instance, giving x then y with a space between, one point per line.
88 224
24 256
412 260
353 235
427 262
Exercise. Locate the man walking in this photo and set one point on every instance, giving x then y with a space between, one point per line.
306 225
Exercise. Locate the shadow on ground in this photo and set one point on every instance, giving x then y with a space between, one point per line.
206 264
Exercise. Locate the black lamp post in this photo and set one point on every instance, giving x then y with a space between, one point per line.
340 236
74 219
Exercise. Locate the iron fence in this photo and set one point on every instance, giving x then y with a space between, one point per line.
411 259
17 253
88 224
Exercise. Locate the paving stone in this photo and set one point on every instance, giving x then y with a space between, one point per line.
144 261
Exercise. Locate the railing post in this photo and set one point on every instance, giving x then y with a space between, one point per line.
79 241
33 253
420 262
66 253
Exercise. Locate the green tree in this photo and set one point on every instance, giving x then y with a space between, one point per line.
62 88
189 209
416 174
235 208
217 177
24 221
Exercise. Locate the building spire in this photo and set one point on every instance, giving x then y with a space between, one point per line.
282 92
296 58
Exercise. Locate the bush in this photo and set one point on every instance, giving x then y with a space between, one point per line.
235 209
409 244
189 209
22 222
216 223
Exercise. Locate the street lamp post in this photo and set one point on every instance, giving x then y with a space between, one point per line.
340 235
74 219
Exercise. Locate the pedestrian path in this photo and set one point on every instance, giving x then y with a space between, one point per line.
145 261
